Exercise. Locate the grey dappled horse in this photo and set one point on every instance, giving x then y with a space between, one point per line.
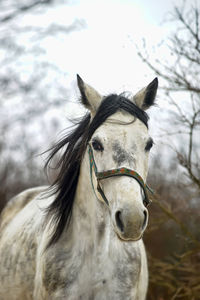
83 239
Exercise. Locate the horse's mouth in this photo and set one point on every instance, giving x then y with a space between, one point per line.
129 239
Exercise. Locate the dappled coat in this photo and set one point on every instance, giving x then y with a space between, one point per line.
82 237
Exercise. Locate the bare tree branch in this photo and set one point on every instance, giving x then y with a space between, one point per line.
23 9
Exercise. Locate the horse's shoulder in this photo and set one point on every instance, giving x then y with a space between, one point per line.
17 203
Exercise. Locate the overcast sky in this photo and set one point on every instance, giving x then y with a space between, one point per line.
103 51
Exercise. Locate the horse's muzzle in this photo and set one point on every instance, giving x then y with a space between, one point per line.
130 223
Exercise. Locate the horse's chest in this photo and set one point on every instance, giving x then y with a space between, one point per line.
116 276
97 277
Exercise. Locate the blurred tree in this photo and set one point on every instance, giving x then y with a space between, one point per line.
30 87
174 267
182 74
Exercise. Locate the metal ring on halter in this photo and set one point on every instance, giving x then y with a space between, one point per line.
115 172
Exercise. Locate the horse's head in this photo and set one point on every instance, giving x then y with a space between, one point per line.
119 150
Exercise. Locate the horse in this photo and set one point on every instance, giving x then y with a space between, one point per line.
81 238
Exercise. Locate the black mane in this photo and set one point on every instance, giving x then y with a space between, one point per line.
74 145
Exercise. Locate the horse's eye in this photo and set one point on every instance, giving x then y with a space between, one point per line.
149 145
97 145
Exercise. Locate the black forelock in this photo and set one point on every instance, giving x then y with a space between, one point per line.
74 145
110 105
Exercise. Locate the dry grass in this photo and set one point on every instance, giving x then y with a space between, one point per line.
173 243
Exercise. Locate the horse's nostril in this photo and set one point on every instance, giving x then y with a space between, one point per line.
145 219
119 221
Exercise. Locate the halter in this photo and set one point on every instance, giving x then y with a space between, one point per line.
115 172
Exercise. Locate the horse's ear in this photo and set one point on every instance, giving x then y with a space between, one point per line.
90 98
146 97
